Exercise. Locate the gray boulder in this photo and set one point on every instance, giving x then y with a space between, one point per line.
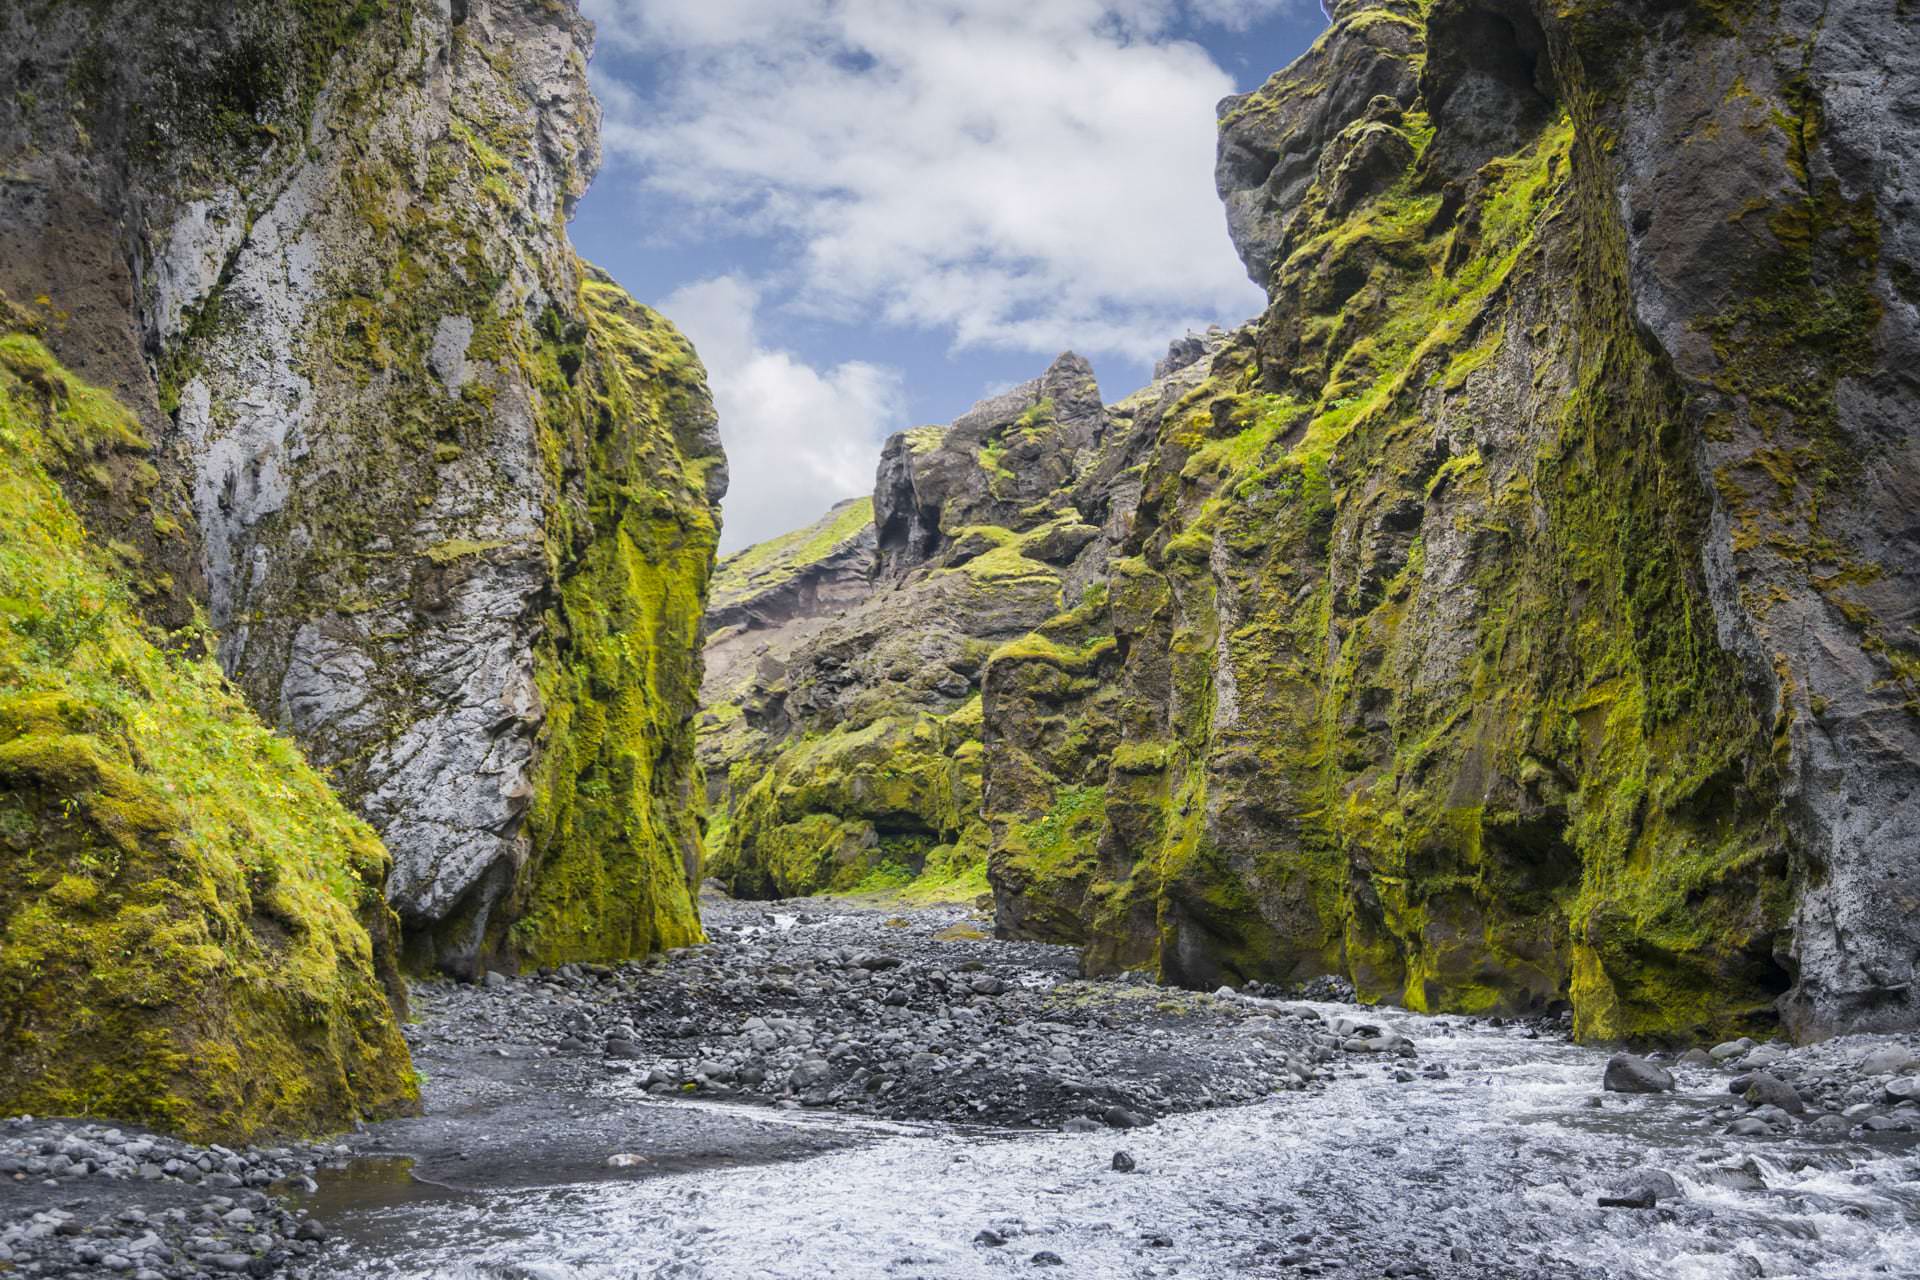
1890 1060
1628 1074
1770 1091
1727 1050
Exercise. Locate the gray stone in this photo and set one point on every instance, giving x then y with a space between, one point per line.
1768 1090
1890 1060
1628 1074
1729 1049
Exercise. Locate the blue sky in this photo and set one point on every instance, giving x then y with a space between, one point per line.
867 214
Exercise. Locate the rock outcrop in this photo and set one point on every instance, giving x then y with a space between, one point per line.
192 930
860 764
452 492
1519 613
1522 611
766 602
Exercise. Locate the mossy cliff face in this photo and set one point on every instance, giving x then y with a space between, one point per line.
192 930
1774 257
767 602
852 750
453 493
1520 611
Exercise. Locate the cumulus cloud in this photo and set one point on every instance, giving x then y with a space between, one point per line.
798 438
1238 15
1020 174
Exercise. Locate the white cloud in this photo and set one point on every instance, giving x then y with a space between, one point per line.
1238 15
1023 174
798 438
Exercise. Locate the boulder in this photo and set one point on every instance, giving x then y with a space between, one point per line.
1628 1074
1770 1091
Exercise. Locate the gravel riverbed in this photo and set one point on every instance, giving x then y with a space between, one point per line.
835 1090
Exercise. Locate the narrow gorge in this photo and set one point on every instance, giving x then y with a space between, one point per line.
1427 785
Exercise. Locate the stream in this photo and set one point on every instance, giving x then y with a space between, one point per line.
1385 1168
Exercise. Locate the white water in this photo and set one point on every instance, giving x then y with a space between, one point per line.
1504 1161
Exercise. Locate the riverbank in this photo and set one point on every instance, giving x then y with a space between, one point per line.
861 1089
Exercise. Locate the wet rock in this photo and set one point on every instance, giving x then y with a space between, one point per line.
1730 1049
989 1238
1628 1074
1122 1162
1903 1089
813 1073
1744 1176
1647 1184
1696 1057
1890 1060
1047 1258
1765 1090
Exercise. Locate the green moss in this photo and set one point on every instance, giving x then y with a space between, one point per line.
616 811
833 809
192 929
766 564
1575 805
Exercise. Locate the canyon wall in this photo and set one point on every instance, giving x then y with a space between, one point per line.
439 498
1520 613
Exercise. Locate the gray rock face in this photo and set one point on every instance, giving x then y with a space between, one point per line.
422 694
1774 268
359 308
1274 144
993 462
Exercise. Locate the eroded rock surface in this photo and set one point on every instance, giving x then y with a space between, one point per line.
1510 618
434 461
853 752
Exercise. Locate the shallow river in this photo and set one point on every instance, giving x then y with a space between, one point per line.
1492 1171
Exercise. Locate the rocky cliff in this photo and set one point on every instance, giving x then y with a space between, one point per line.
439 497
765 603
451 492
1520 612
192 930
857 760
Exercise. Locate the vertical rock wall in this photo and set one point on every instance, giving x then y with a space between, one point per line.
1522 612
454 494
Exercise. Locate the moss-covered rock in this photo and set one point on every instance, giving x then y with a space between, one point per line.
452 494
1450 644
614 819
192 930
768 601
846 746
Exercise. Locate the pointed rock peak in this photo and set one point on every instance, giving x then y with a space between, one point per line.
1070 384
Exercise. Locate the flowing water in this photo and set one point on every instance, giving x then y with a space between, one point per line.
1494 1170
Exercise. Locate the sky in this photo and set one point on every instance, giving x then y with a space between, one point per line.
869 214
